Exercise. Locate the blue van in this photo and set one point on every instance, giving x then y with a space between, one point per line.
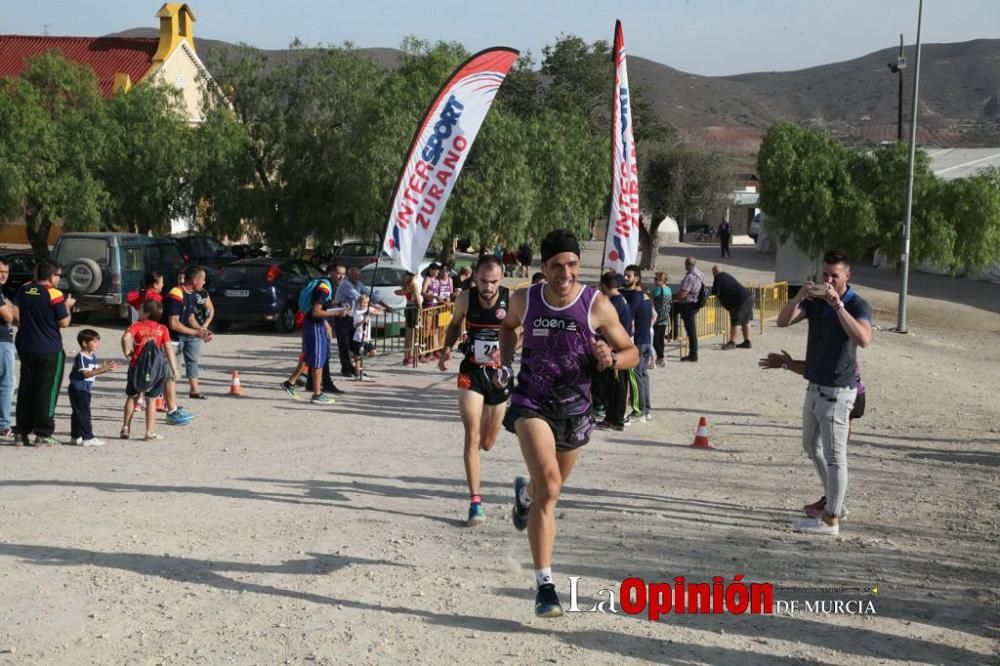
100 268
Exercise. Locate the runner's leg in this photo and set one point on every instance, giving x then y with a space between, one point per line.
470 407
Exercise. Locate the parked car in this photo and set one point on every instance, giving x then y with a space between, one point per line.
22 269
205 251
100 268
355 253
265 289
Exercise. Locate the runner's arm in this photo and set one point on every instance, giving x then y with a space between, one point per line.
128 343
454 330
604 320
509 328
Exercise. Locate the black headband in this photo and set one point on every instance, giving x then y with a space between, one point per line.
555 246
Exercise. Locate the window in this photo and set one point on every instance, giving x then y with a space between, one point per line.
74 249
132 257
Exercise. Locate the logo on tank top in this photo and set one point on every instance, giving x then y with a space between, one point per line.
542 325
500 313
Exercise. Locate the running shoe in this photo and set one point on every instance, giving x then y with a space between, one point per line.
47 440
815 526
519 514
93 441
547 601
289 388
178 418
322 399
745 345
599 415
729 345
477 516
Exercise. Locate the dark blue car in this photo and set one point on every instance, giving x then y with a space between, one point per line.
260 290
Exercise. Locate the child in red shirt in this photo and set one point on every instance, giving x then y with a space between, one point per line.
133 341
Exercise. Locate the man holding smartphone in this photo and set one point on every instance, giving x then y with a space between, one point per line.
839 322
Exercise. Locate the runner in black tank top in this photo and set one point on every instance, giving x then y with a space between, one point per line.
481 402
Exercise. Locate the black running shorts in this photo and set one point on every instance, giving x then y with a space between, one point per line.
570 432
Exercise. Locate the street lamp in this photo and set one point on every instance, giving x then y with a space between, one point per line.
907 215
897 68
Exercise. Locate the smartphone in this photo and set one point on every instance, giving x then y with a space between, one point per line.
818 290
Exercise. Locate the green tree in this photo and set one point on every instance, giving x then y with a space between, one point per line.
148 152
679 181
580 79
220 175
51 146
808 191
880 175
972 205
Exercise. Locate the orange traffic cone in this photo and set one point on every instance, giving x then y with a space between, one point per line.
235 389
161 404
701 435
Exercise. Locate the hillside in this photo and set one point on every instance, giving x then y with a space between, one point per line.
855 99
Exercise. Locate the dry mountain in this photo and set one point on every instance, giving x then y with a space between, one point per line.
855 99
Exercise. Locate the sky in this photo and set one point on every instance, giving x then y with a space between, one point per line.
708 37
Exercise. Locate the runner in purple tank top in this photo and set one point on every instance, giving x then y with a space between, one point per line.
570 331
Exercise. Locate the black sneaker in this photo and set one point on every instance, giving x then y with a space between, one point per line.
693 359
332 388
289 388
729 345
745 345
519 514
547 601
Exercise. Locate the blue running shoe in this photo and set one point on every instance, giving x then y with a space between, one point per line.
178 418
477 516
519 514
547 601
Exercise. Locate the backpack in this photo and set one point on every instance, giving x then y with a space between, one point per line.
662 300
305 296
150 368
703 295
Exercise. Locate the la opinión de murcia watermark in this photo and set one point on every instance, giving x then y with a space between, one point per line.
634 596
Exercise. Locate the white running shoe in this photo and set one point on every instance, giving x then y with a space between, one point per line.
815 526
93 441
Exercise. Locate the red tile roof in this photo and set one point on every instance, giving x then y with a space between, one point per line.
107 56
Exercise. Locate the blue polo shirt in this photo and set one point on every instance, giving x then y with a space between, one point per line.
831 355
40 308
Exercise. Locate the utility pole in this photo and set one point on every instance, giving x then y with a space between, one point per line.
908 216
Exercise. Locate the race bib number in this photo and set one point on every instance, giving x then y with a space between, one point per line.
483 350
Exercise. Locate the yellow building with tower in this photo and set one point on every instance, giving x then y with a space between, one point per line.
119 63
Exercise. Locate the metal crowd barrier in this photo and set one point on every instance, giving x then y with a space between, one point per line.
713 320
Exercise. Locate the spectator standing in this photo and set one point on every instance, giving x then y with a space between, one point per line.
148 329
839 322
643 320
42 311
411 317
524 258
7 356
151 289
738 302
186 334
662 301
347 296
614 382
336 274
686 305
725 235
361 339
86 367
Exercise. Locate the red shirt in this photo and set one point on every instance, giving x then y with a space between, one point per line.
147 330
139 296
